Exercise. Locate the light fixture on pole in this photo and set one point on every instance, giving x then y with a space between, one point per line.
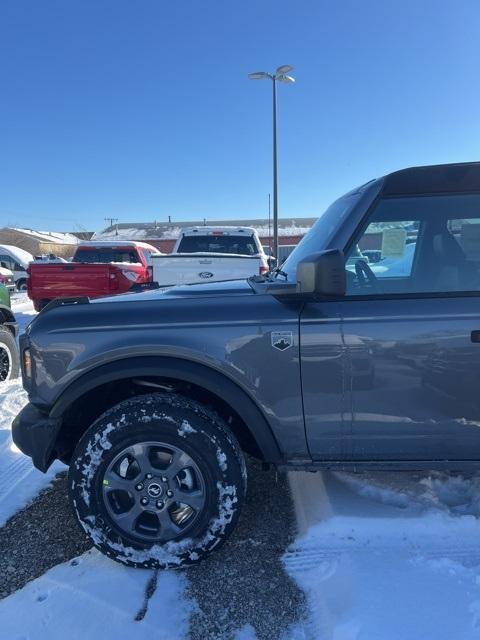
280 75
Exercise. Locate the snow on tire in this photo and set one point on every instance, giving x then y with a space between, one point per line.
157 481
9 359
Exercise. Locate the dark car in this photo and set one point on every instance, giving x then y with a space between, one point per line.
154 398
9 360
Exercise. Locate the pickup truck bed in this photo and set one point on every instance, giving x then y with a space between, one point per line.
92 273
192 268
49 281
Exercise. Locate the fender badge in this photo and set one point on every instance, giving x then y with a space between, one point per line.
282 340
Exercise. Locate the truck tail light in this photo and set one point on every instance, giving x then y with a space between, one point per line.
150 273
263 270
113 282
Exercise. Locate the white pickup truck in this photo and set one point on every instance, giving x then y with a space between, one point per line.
211 254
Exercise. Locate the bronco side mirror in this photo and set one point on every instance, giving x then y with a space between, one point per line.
322 274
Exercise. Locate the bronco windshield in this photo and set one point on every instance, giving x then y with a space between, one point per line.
320 234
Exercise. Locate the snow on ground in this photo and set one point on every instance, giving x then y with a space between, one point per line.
23 309
394 555
92 597
20 482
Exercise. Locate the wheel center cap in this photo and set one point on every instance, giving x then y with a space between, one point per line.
154 490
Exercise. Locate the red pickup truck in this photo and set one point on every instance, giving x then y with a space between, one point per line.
97 269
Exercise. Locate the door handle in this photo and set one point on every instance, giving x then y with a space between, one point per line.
475 336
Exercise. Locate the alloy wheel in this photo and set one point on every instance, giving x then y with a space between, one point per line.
5 363
153 491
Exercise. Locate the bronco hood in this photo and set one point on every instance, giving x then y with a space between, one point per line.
227 287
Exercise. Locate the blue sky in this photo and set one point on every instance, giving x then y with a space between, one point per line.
142 109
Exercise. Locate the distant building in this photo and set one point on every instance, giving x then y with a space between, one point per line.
40 242
163 235
83 235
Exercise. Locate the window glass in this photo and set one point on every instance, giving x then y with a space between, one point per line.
242 245
106 255
320 234
7 261
418 245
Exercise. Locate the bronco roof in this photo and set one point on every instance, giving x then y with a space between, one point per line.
441 178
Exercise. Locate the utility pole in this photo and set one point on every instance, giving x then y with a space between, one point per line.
269 227
112 220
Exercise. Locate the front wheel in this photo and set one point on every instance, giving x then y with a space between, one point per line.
157 481
22 285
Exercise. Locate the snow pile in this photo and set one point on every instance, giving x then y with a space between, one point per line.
20 482
93 597
393 555
23 309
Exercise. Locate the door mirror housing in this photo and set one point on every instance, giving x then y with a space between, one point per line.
322 274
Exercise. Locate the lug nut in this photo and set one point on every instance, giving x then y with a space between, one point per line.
139 486
164 479
144 501
149 476
169 493
160 504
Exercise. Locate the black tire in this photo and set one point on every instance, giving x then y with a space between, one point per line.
134 435
22 285
9 358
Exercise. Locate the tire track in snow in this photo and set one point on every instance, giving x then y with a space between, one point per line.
358 540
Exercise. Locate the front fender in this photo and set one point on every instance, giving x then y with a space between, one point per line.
182 370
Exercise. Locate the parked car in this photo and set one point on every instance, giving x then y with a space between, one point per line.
9 359
211 254
6 278
97 269
17 260
153 399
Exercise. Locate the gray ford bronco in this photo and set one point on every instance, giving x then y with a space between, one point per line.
361 352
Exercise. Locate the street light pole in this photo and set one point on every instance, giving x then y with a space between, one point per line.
279 76
275 175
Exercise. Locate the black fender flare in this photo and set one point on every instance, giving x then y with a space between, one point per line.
7 313
8 319
183 370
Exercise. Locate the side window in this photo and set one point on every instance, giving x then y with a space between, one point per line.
146 254
427 244
385 252
7 261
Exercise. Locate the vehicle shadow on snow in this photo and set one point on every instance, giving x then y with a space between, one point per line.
245 582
